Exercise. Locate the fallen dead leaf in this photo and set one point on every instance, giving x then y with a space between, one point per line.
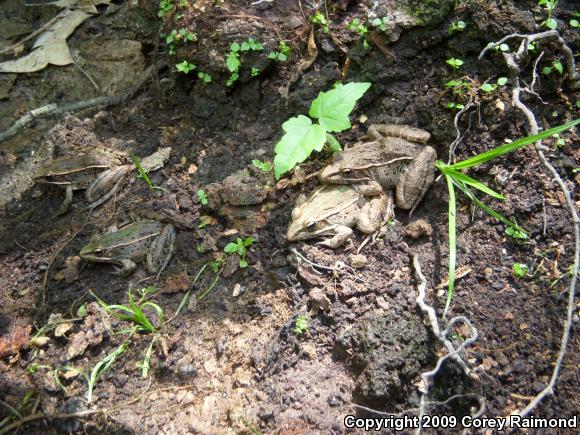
11 344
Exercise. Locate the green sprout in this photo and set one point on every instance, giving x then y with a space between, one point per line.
556 65
263 166
490 87
203 76
456 26
252 45
358 27
454 63
301 325
185 67
549 5
320 19
520 270
516 234
165 6
380 23
255 71
142 173
202 196
240 246
282 54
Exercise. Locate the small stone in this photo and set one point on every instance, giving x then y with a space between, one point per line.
358 261
62 329
508 316
488 273
243 378
309 350
40 341
237 290
418 229
319 299
192 169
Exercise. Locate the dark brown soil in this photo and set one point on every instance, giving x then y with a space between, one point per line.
232 363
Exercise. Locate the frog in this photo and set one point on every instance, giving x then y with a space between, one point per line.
101 172
333 210
146 241
97 172
396 157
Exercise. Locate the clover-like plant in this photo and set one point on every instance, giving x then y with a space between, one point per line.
302 136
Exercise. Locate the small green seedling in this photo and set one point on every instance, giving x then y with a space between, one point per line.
202 196
255 71
502 47
574 23
240 246
380 23
549 5
490 87
456 26
320 19
165 6
358 27
133 312
185 67
263 166
556 65
454 63
301 326
520 270
516 234
282 54
252 45
101 368
180 35
204 77
560 141
455 106
142 173
234 63
302 137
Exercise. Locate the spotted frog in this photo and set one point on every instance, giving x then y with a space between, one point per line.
396 157
331 211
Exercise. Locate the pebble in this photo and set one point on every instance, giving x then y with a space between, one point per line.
418 229
358 261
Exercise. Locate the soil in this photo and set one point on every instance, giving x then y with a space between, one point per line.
232 359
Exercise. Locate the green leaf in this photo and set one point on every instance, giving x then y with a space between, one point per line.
502 81
504 47
452 221
546 70
574 23
233 62
332 108
235 47
486 87
551 23
509 147
231 247
333 143
282 57
558 66
301 138
243 264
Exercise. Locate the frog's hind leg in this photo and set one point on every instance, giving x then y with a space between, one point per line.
378 131
416 181
99 192
161 250
68 198
343 233
374 217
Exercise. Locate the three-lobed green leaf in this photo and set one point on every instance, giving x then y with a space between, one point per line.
333 107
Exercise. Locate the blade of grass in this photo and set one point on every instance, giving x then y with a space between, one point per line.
186 297
487 208
102 367
452 242
466 179
509 147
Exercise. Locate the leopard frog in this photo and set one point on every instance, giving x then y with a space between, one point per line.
147 240
98 172
331 211
396 157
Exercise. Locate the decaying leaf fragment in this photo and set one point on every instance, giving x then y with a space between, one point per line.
50 47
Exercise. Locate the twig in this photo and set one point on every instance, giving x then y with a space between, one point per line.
54 109
513 60
453 353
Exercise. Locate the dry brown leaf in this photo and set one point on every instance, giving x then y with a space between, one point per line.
10 345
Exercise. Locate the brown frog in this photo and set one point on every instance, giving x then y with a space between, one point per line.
396 158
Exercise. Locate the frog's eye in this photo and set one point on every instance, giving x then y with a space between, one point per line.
49 176
346 170
311 226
